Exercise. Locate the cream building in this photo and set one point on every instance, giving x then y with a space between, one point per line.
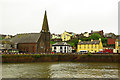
86 34
55 36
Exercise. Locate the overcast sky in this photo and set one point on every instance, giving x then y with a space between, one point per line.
78 16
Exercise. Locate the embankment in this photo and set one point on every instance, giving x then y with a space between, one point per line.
60 58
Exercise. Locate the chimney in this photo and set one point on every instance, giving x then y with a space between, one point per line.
91 31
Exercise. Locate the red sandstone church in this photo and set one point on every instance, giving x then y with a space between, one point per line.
34 42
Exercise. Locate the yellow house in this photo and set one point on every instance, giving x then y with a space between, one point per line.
66 36
117 46
92 46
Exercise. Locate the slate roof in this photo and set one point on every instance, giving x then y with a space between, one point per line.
26 38
89 42
70 32
118 37
61 44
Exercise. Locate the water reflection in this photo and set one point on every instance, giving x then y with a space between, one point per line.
60 70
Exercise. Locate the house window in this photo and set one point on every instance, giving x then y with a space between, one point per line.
64 47
33 49
91 46
64 51
54 47
80 47
88 47
60 47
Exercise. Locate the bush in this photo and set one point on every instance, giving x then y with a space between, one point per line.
89 54
52 42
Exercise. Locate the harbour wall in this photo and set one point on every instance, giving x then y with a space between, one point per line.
61 58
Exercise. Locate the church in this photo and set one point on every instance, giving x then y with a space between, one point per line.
34 42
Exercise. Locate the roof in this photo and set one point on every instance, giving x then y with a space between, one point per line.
45 26
69 32
118 37
61 44
110 41
85 32
26 38
89 42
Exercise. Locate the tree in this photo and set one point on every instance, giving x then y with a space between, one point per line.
95 36
104 40
52 42
73 42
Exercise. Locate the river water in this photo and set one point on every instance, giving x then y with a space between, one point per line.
60 70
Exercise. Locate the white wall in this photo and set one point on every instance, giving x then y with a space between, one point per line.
68 49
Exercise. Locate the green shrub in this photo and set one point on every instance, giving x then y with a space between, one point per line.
89 54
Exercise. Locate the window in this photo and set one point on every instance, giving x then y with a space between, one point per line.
64 47
80 47
54 47
64 51
33 49
88 47
60 47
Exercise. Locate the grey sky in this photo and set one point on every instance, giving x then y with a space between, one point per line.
78 16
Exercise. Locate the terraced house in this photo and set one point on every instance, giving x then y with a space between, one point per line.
92 46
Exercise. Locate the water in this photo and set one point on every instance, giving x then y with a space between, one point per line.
60 70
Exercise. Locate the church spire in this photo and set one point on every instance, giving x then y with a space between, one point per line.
45 27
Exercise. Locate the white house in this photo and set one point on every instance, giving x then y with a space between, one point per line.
86 34
61 47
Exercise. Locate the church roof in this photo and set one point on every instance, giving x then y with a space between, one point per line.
26 38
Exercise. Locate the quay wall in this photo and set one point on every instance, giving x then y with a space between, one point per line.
60 58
